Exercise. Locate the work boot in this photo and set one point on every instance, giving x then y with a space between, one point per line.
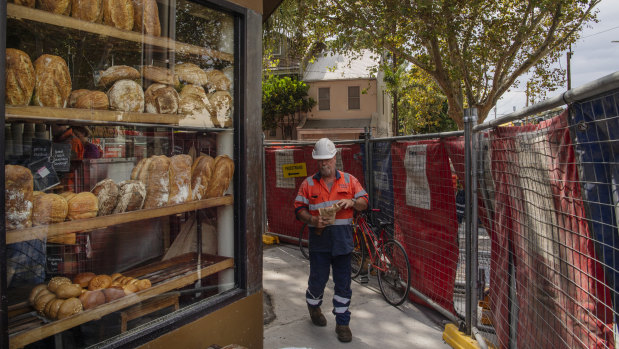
343 333
317 318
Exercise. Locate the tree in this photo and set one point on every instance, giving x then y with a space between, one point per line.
283 99
475 50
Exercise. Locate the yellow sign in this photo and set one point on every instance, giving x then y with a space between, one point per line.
294 170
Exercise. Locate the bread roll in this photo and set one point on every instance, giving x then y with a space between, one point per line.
91 299
119 13
126 95
223 171
51 310
131 196
83 205
41 302
49 208
83 279
99 282
221 105
56 281
107 194
161 99
113 293
27 3
143 284
117 72
20 77
92 100
159 75
191 74
146 17
158 182
115 276
87 10
217 81
35 291
130 288
59 7
52 81
201 171
18 199
180 179
69 307
65 291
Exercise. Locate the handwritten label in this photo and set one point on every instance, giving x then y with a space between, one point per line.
61 153
41 148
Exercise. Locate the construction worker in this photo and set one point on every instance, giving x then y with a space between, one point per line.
330 243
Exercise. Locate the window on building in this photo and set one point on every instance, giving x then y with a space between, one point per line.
324 98
354 97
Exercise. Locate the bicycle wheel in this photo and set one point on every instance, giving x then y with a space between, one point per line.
394 280
304 233
358 254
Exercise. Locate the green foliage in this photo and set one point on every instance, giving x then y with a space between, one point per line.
283 98
475 50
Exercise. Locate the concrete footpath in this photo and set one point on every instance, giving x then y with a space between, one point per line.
374 323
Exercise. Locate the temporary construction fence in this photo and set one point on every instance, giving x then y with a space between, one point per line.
511 230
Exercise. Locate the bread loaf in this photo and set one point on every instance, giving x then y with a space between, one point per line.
143 174
136 169
18 199
107 194
217 81
126 95
158 182
75 94
159 75
67 195
69 307
49 208
146 17
83 205
131 196
99 282
91 299
87 10
92 100
195 105
59 7
201 171
180 179
83 279
56 281
161 99
191 74
117 72
223 171
20 77
113 293
65 291
27 3
52 81
118 13
221 104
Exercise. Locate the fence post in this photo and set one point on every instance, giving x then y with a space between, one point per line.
369 176
470 175
265 223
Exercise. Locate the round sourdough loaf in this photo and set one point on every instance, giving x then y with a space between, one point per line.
107 194
49 208
52 81
126 95
83 205
131 196
117 72
161 99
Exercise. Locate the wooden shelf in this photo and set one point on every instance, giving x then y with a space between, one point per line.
23 12
41 231
165 276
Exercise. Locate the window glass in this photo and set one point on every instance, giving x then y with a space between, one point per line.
119 165
324 98
354 97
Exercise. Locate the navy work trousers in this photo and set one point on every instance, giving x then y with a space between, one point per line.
320 265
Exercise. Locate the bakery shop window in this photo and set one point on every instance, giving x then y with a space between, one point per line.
119 165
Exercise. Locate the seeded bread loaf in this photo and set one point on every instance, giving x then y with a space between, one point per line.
20 77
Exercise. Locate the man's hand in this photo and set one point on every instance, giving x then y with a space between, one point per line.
346 203
318 221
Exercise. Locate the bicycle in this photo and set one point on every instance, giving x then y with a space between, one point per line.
387 257
304 232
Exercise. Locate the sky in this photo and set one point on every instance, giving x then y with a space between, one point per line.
594 56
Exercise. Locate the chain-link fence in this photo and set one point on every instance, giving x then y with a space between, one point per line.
510 230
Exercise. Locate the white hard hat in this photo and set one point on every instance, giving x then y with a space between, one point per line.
324 149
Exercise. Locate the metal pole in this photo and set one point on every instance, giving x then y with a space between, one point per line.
367 164
468 126
265 223
474 220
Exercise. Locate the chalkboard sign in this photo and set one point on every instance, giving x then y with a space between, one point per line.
43 174
61 156
41 148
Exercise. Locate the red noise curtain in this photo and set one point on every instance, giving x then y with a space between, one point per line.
562 302
425 217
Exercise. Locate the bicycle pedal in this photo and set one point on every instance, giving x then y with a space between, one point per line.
364 279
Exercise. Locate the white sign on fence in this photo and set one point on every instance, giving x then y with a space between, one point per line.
417 187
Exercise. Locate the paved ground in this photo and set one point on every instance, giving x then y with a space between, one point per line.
374 324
